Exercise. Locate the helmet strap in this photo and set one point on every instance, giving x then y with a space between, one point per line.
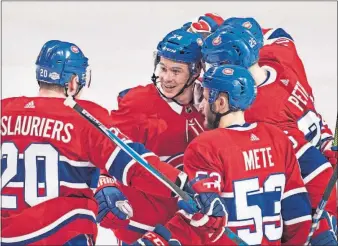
218 115
79 88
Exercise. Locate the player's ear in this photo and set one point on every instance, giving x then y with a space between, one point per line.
73 85
223 103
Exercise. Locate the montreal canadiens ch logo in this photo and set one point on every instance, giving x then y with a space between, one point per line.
217 41
74 49
228 71
247 24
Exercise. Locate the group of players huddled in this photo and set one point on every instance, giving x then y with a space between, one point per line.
228 99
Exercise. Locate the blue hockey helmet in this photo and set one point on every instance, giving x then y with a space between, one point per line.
234 80
250 23
58 61
232 45
181 46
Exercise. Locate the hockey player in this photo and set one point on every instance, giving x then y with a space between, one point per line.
50 157
166 120
287 57
281 100
249 170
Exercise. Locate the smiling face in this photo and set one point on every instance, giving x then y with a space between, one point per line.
172 77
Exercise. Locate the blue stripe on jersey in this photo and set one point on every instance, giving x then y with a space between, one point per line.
88 175
52 231
123 93
67 173
122 159
264 200
310 161
280 33
295 206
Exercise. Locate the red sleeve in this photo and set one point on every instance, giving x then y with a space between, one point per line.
198 158
106 155
315 168
296 207
138 126
135 118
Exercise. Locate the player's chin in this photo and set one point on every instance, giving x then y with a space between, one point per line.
170 93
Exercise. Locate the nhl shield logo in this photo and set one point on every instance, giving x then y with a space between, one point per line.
247 24
217 41
74 49
228 71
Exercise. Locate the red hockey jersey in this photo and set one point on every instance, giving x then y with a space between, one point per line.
283 101
165 128
49 161
280 47
259 180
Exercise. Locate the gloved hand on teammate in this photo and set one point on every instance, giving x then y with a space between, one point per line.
114 209
330 152
205 24
212 215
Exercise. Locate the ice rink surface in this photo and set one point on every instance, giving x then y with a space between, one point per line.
119 39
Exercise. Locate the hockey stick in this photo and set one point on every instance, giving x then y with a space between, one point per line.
133 154
327 192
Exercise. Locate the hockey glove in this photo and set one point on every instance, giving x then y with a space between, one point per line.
160 236
332 156
114 208
327 229
205 24
213 216
330 152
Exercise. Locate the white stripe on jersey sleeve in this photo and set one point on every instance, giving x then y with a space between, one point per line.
49 227
130 164
293 192
297 220
316 172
